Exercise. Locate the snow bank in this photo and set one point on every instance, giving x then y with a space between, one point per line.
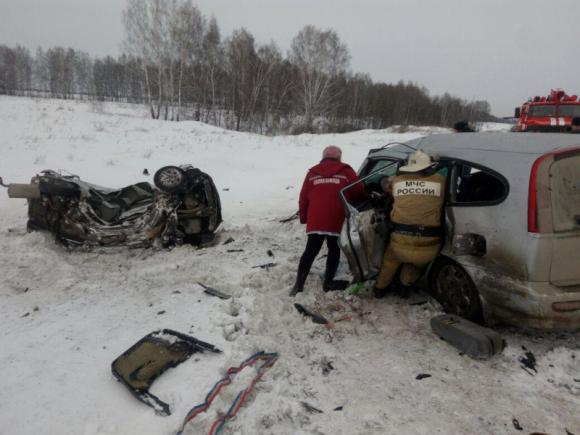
66 314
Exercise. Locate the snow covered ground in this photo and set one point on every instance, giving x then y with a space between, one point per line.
65 315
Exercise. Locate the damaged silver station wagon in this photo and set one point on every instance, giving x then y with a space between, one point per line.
511 250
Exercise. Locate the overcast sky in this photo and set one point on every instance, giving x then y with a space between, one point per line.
499 50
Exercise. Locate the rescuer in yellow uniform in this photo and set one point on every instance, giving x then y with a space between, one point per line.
418 195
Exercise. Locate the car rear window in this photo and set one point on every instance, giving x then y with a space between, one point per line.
565 187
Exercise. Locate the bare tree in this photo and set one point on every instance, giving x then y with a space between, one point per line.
212 60
320 57
187 28
146 38
241 62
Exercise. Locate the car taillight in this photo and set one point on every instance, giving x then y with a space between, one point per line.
534 198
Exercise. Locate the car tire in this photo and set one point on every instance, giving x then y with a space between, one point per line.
170 179
453 288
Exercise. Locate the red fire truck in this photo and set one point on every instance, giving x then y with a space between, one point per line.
552 113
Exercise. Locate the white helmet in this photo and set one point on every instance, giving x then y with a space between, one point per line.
417 161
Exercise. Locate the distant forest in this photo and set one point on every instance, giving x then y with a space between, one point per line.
177 63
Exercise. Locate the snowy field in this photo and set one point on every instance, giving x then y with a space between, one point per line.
65 315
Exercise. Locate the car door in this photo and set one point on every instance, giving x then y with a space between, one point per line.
365 230
473 213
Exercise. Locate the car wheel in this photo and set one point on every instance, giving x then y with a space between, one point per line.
170 179
454 289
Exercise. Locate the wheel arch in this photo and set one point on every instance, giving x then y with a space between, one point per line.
433 270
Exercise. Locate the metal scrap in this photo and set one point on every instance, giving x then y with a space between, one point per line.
316 318
311 409
264 266
528 362
214 292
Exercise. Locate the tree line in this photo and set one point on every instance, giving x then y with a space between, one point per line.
177 63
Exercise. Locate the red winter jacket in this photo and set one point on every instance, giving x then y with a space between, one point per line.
320 207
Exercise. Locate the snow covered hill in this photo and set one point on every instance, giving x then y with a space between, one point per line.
65 315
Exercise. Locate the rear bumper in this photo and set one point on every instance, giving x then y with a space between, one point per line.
537 305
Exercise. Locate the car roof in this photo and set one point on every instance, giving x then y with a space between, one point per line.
498 150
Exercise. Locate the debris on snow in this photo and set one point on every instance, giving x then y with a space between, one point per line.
264 266
311 409
214 292
517 424
316 318
528 361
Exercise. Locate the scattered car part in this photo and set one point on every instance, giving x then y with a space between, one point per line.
290 218
139 366
316 318
264 266
139 215
472 339
311 409
422 376
528 362
269 359
214 292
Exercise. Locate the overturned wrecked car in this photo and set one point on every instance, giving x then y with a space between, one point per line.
511 226
182 207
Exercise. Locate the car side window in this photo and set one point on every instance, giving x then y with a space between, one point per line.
474 185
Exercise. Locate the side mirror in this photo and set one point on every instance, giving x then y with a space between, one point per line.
469 244
517 112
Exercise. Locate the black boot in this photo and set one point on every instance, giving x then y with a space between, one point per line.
299 284
402 290
295 290
335 284
380 292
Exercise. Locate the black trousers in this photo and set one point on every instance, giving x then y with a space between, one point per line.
313 246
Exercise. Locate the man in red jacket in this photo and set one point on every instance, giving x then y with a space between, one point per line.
323 213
